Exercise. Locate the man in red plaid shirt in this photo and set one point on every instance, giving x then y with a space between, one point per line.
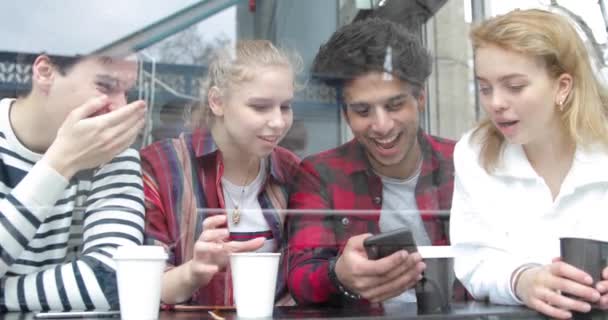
392 171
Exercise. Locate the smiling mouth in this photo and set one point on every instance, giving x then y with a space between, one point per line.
270 139
387 143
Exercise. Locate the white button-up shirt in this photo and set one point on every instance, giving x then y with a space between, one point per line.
504 220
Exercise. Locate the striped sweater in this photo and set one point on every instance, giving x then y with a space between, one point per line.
57 237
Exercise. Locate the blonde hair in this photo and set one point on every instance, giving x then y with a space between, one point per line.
550 38
236 64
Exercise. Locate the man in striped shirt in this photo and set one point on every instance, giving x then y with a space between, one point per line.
71 188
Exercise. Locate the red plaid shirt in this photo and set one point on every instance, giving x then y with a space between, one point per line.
182 178
343 179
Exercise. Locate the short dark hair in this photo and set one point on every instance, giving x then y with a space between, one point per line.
363 46
62 63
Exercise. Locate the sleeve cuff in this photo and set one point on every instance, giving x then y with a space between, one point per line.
515 278
41 187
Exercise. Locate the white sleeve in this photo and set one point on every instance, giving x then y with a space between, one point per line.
483 264
114 216
24 209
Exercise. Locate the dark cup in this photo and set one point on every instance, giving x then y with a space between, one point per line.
434 291
586 254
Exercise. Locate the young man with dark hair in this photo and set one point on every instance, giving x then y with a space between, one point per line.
71 187
391 169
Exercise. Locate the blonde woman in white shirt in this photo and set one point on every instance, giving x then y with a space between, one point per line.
535 170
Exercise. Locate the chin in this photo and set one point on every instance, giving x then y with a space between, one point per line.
262 153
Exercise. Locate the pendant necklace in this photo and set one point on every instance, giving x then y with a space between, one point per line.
236 212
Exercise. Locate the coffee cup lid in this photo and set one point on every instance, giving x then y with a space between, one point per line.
130 252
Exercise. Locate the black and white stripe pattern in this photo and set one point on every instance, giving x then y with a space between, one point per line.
57 237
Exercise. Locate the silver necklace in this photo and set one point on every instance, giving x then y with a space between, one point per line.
236 212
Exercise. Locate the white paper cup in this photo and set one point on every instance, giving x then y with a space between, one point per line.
254 279
139 271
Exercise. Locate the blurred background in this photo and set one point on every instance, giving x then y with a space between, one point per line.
175 39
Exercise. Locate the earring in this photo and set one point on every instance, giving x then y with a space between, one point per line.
561 105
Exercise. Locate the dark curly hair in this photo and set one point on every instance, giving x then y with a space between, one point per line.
372 45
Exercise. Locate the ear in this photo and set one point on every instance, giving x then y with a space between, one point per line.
216 101
43 74
564 87
421 99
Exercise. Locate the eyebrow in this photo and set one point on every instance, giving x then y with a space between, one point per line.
266 101
505 77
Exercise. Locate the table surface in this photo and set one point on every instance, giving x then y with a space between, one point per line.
471 310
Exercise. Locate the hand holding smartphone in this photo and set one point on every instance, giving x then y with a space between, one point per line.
384 244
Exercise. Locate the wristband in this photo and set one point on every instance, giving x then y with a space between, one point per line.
333 278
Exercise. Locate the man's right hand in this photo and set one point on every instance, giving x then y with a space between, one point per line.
377 280
85 141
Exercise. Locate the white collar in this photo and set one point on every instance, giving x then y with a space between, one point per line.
590 165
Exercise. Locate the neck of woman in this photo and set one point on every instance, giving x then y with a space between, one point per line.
554 149
240 167
552 159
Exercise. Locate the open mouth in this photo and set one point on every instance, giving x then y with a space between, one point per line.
387 143
506 124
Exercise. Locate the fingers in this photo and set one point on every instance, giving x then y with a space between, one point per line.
603 302
208 258
214 222
361 265
122 124
602 285
578 290
118 142
565 270
571 280
382 266
413 264
547 309
395 286
245 246
355 243
554 291
556 299
118 115
89 108
214 235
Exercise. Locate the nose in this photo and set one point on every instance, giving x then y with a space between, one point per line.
496 102
277 119
382 123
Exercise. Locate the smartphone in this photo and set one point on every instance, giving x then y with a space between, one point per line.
77 314
384 244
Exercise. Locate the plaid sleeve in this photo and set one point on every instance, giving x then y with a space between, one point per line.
157 231
312 240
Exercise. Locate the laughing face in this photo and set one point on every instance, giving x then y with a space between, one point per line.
382 112
518 95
